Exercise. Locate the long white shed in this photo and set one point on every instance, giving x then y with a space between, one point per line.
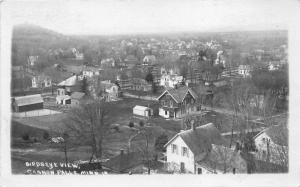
142 111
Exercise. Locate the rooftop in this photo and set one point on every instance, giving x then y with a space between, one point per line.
29 99
200 139
178 94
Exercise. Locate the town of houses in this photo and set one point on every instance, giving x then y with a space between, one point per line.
173 106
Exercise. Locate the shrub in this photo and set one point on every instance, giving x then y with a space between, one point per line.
160 142
116 128
141 123
25 136
131 124
46 135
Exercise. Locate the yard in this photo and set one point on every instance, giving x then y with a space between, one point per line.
119 114
38 149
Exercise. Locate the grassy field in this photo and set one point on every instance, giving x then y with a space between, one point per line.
119 112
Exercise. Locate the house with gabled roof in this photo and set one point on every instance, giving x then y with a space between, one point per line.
149 60
201 150
177 102
272 144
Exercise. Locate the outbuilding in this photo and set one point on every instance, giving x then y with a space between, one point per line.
28 103
142 111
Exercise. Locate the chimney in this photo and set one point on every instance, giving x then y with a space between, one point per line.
122 152
193 125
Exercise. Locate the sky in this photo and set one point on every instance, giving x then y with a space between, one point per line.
151 16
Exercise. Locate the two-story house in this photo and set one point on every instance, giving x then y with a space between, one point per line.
202 150
170 81
177 102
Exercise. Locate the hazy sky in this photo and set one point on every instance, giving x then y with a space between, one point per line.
151 16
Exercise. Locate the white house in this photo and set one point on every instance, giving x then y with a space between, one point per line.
41 81
111 90
244 70
70 84
62 98
201 150
89 72
170 80
272 144
142 111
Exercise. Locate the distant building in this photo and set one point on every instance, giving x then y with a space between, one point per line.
175 103
70 84
170 80
31 60
149 60
274 65
77 54
220 58
108 62
62 98
139 84
89 71
131 61
41 81
202 150
111 91
27 103
244 70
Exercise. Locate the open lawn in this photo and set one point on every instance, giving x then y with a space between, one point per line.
44 122
119 114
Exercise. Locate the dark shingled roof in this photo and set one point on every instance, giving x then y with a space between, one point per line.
124 162
77 95
278 134
222 158
201 139
179 93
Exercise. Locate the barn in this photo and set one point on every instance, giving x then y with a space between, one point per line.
142 111
28 103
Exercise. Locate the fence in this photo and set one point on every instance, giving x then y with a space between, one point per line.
149 98
34 113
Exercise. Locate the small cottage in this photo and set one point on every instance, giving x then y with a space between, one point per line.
142 111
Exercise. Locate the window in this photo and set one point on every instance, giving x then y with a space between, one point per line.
199 170
174 148
182 167
184 151
166 112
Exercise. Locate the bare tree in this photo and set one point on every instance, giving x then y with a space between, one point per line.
144 144
87 124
